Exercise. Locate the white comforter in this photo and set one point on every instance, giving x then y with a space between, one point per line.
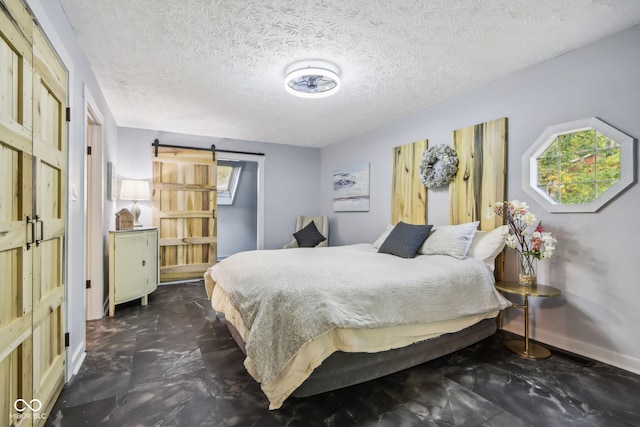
288 297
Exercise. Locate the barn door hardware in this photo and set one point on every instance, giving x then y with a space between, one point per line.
156 144
30 225
36 219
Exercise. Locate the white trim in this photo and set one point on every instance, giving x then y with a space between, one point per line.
91 109
260 160
600 354
225 198
77 360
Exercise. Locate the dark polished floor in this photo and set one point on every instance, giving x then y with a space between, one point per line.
173 363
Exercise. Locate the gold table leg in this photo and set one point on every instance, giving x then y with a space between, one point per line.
525 348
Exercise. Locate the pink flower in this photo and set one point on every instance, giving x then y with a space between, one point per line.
538 245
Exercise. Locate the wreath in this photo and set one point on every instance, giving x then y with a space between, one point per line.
438 166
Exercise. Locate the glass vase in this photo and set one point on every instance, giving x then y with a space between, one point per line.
527 270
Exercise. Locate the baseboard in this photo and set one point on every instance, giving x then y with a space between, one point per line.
180 282
603 355
77 359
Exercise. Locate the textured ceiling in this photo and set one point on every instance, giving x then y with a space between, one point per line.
217 67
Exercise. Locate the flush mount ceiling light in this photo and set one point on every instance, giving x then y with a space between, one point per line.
312 80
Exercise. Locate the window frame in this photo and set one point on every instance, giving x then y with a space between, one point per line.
226 197
530 164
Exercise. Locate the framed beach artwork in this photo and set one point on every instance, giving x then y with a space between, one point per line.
351 189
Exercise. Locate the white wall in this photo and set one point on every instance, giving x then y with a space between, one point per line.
596 264
55 25
292 176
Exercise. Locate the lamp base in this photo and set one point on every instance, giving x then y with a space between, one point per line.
135 210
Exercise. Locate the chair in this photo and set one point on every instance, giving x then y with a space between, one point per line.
322 224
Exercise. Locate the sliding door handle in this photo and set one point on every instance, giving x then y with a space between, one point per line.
35 220
30 225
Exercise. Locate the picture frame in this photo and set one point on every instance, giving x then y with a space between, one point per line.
351 189
111 181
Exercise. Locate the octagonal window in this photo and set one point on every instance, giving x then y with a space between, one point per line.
578 166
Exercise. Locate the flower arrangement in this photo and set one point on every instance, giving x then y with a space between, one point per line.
529 246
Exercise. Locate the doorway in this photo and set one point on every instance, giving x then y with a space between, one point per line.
237 207
254 172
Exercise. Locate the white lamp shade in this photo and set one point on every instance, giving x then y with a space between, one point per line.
135 189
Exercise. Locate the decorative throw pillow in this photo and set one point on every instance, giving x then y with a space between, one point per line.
452 240
405 239
486 245
380 240
309 236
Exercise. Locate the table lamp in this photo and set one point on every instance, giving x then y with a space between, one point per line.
135 189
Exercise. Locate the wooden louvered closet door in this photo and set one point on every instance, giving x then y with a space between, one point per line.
33 138
184 210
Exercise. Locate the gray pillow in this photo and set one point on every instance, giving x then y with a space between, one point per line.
405 239
309 236
452 240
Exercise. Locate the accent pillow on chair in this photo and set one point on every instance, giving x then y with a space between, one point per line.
309 236
321 225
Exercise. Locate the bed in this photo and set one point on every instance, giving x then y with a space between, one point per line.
313 320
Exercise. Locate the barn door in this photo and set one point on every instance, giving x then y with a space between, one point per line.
32 178
49 152
16 214
184 210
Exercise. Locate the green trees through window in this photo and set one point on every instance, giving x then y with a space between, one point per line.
578 167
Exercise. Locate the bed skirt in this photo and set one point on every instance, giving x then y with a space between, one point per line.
343 369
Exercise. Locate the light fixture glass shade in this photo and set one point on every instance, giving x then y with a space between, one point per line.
135 189
312 82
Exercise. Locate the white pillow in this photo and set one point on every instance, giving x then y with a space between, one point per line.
486 245
383 236
452 240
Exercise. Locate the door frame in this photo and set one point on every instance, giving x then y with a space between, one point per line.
260 160
94 208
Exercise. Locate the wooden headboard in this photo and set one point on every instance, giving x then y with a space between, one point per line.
408 193
480 181
478 185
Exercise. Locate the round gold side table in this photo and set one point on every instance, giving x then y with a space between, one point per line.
525 348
